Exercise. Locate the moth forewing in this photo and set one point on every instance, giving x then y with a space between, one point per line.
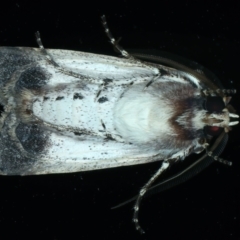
64 118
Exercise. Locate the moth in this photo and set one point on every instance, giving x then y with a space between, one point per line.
67 111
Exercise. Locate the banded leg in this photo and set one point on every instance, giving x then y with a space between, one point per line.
125 54
112 39
43 50
144 189
62 69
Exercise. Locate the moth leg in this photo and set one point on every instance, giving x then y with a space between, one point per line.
61 69
62 128
77 131
125 54
143 190
51 60
151 82
113 41
43 50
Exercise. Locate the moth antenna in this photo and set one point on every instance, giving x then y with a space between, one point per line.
143 190
211 92
60 127
113 41
53 62
218 159
228 91
43 50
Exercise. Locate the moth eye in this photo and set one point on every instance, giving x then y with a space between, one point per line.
212 131
214 104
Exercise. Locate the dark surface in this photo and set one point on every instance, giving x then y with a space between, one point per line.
77 206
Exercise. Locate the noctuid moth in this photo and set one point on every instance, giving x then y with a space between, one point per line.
68 111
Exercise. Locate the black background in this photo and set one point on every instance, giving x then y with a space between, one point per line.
77 205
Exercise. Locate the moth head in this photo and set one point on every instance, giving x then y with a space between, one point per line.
220 114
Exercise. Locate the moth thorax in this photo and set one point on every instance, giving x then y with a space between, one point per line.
160 113
141 117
